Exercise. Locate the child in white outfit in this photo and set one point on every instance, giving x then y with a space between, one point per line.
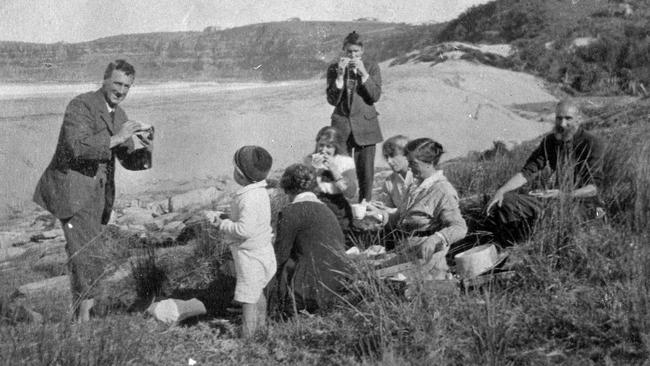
249 229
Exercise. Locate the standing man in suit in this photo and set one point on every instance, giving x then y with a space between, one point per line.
78 185
353 87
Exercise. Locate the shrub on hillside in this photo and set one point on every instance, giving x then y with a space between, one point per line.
497 21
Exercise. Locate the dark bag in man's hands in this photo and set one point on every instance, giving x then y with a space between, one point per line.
136 153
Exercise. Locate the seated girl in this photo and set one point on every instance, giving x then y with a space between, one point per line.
336 177
430 214
394 190
309 248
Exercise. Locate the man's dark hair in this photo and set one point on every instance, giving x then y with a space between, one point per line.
353 38
120 65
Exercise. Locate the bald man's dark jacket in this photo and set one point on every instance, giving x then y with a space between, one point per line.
583 155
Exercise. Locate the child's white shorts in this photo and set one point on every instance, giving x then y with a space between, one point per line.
254 269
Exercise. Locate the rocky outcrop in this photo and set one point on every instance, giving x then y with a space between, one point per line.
194 199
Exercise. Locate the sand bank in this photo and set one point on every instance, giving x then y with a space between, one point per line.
199 126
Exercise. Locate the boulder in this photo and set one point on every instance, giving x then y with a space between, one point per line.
47 235
158 208
18 312
133 229
174 311
57 284
155 225
7 238
195 198
123 272
135 216
174 227
161 221
11 252
116 288
44 222
582 42
52 259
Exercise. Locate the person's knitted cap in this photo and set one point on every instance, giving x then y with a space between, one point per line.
254 162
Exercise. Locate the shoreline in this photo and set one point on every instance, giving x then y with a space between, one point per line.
464 106
17 91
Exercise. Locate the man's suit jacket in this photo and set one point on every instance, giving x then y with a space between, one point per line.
354 110
70 181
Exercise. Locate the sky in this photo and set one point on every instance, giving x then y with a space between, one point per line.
50 21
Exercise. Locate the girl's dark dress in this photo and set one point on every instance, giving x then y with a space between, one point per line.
309 249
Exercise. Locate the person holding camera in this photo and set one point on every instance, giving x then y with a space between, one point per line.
353 87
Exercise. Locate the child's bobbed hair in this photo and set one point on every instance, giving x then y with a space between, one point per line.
331 136
394 146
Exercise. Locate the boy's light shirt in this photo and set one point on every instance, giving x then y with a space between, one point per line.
251 217
244 189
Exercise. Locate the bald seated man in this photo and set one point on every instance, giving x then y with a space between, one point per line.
574 155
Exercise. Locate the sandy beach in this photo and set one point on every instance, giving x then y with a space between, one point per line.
199 126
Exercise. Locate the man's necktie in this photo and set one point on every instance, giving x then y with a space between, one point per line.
112 113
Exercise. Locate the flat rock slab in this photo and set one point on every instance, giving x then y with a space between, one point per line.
47 235
51 259
6 238
11 252
21 313
54 284
9 238
135 216
195 198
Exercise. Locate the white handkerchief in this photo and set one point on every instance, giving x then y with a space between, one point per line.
317 161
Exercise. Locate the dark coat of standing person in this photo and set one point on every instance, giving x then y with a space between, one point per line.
78 185
309 248
353 88
576 157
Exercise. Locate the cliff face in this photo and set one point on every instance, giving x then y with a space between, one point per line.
269 51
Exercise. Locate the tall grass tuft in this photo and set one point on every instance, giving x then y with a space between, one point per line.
626 187
581 294
149 277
